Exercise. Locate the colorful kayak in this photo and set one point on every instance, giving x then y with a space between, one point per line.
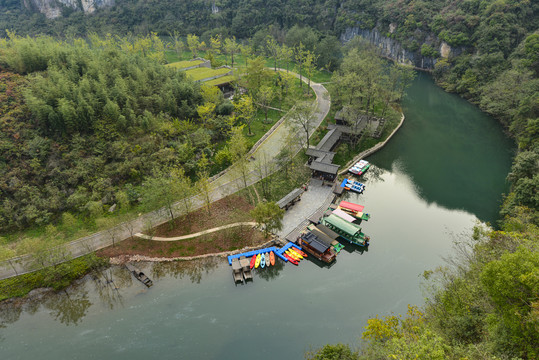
257 263
268 263
296 254
253 261
304 254
272 258
293 261
262 261
292 255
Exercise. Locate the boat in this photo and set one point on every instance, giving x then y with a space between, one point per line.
272 258
262 261
360 167
257 263
304 254
266 255
354 186
296 253
292 255
139 275
293 261
253 261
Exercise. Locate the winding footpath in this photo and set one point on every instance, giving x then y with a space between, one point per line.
194 235
225 184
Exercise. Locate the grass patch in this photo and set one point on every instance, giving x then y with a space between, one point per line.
204 73
184 64
58 277
221 80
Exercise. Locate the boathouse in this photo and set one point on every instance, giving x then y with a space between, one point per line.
316 247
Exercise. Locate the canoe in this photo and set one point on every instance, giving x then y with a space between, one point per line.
296 253
268 263
293 261
253 261
257 263
272 258
262 260
300 252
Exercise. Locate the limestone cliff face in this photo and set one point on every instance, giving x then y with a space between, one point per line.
53 8
392 49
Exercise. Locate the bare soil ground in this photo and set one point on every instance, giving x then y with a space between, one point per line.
229 210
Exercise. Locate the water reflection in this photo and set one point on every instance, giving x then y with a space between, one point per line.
272 272
68 307
193 269
455 155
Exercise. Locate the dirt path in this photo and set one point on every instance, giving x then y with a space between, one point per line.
190 236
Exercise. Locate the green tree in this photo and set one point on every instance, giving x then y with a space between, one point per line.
265 96
232 47
245 111
302 117
269 216
512 282
193 43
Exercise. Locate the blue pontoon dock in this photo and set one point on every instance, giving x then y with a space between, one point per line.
278 252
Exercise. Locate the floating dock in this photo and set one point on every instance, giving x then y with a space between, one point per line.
276 251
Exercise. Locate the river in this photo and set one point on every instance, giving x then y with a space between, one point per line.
442 172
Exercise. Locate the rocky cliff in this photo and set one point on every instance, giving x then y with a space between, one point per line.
53 8
392 49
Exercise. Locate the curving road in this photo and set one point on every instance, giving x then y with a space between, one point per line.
224 185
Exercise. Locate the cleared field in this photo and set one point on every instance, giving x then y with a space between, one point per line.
221 80
204 73
184 64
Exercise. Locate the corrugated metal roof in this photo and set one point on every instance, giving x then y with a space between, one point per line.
342 224
322 237
332 234
315 242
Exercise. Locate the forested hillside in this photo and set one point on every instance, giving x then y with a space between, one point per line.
82 123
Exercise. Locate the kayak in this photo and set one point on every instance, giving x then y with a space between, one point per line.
253 261
257 263
268 263
292 255
262 260
272 258
300 252
293 261
295 252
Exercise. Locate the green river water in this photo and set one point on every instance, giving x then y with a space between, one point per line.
442 172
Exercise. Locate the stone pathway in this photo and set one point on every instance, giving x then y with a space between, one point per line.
311 201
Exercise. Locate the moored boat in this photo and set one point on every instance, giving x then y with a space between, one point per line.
253 261
257 263
293 261
268 263
304 254
292 255
296 253
272 258
262 261
360 167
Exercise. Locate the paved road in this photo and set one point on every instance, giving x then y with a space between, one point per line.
226 184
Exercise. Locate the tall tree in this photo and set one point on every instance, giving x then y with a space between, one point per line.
231 47
269 216
193 43
265 96
302 117
245 111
